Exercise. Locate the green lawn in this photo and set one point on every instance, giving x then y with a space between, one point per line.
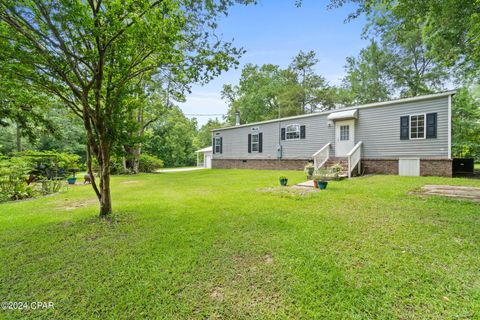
212 244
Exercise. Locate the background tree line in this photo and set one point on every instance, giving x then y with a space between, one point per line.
173 138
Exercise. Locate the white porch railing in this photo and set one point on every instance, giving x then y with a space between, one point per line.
321 156
354 157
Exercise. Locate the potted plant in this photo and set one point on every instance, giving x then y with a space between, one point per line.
335 170
323 175
72 179
322 185
70 162
283 180
309 169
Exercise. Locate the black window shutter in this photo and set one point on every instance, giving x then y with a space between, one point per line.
213 144
404 127
221 144
249 143
431 125
302 132
282 135
260 142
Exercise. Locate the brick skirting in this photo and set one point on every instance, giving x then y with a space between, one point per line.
436 167
383 166
267 164
428 167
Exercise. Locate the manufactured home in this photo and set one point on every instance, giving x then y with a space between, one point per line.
410 136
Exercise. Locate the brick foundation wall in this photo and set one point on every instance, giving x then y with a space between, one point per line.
428 167
383 166
267 164
436 167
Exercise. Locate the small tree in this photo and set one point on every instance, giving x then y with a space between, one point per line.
87 53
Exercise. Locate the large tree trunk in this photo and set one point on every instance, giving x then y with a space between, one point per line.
136 159
105 197
132 162
101 148
133 153
136 150
103 190
104 170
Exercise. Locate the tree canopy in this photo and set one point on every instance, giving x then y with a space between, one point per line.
87 54
449 29
268 91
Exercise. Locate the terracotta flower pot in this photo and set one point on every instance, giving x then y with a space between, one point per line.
315 183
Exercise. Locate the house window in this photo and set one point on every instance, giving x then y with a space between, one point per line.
293 132
344 133
218 145
417 126
255 142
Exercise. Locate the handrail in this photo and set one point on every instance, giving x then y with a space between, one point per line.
321 156
354 148
321 150
354 157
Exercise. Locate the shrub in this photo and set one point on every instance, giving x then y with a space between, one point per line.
49 164
308 169
13 179
51 186
149 163
30 173
116 166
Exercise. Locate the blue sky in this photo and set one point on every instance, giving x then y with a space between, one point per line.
274 31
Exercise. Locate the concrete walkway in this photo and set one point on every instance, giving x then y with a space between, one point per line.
179 169
306 184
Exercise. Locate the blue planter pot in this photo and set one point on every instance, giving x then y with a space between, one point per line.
283 182
322 185
71 180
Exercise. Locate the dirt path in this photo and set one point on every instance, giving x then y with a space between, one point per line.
461 192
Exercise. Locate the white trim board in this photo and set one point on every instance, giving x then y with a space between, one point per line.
450 127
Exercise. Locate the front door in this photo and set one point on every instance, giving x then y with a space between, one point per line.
344 137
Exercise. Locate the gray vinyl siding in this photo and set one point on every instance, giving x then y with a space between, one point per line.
378 127
235 141
379 130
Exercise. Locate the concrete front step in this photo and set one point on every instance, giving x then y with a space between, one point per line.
329 164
